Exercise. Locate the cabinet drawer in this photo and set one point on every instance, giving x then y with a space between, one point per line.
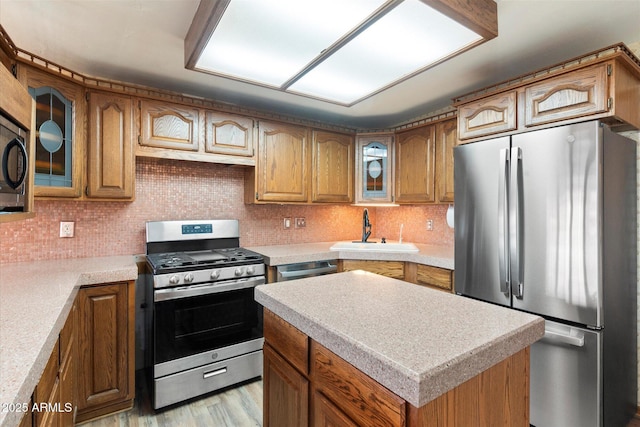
393 269
574 94
487 116
326 414
361 398
434 276
292 344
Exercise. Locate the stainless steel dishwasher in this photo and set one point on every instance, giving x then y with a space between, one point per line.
305 269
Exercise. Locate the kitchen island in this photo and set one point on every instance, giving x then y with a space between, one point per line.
371 350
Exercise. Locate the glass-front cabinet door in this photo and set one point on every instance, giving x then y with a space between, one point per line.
59 132
374 168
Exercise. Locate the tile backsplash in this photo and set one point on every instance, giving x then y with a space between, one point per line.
170 189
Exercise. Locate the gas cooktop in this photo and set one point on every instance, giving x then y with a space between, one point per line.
170 262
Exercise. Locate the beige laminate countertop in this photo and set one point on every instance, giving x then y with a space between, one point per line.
434 255
417 342
35 299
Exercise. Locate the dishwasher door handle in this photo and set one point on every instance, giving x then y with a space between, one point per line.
309 272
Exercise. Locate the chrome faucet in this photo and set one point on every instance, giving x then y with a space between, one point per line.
366 226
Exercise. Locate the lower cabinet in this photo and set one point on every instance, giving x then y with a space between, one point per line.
91 370
420 274
106 344
53 401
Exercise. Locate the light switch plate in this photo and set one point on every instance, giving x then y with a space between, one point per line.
66 228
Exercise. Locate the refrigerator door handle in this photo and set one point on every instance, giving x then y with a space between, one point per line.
503 222
515 222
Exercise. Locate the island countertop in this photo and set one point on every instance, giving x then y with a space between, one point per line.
417 342
35 300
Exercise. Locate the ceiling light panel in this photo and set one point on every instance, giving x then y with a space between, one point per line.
407 39
269 42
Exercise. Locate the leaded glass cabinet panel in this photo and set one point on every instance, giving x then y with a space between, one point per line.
374 168
59 135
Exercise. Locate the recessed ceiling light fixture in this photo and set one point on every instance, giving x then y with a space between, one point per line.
341 51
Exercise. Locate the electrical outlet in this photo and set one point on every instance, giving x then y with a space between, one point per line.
300 223
66 228
286 223
430 225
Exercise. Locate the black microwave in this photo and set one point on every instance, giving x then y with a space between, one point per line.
13 180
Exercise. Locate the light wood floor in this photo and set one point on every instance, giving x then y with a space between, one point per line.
235 407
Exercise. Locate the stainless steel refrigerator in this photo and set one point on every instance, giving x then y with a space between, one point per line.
545 222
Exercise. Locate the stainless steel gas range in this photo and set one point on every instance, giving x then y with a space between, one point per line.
207 327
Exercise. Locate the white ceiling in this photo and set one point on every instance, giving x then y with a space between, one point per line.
142 42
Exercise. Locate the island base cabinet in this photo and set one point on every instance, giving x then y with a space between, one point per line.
498 396
106 365
332 392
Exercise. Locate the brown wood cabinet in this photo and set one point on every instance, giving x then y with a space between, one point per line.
446 139
332 392
165 125
393 269
111 161
332 167
229 134
59 173
375 168
282 165
424 163
486 116
106 365
581 93
415 166
603 85
426 275
54 397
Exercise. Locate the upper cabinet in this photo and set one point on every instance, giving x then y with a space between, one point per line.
604 85
424 163
374 168
332 167
489 115
415 165
59 135
282 165
166 125
229 134
184 132
446 139
111 163
581 93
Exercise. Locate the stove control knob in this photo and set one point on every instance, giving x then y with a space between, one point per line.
188 278
174 280
239 271
250 270
215 274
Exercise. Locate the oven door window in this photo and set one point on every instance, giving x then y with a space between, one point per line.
188 326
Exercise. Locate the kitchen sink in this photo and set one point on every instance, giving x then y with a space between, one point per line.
374 247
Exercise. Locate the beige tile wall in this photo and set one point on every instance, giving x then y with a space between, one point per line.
167 189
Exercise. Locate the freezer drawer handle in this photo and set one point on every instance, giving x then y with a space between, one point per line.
214 373
575 340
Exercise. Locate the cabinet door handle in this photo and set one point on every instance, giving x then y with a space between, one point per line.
214 373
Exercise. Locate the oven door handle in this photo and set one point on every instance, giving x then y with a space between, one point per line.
206 289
